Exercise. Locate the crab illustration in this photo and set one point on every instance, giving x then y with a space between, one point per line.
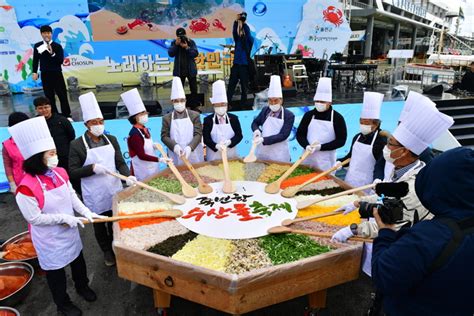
333 15
218 24
199 25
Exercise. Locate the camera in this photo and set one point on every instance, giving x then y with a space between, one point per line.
391 208
243 16
183 38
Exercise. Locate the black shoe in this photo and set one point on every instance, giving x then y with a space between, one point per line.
69 309
109 258
87 294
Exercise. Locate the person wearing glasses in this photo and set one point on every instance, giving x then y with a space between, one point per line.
272 127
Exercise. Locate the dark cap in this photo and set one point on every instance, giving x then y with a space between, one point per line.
243 14
180 32
16 117
46 28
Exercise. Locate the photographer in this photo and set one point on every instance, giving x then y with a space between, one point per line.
427 269
411 137
184 50
240 69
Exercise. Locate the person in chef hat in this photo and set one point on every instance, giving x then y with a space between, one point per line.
422 126
367 146
272 127
47 201
140 144
426 156
91 157
221 129
181 129
322 130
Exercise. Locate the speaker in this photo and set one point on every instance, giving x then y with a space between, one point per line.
108 109
264 72
194 101
434 89
153 107
400 92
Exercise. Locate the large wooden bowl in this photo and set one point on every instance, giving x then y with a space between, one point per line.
231 293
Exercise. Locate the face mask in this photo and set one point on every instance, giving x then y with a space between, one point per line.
387 154
143 119
179 106
365 129
320 107
52 162
97 130
222 110
275 107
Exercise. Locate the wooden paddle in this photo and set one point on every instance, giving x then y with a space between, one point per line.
291 191
188 191
228 185
288 222
284 230
171 214
251 156
203 187
306 203
274 187
177 199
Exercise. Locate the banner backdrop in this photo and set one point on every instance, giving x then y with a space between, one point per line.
96 54
351 112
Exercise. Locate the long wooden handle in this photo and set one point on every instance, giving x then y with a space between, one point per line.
171 214
328 235
186 188
308 218
193 171
228 186
173 197
287 173
318 176
306 203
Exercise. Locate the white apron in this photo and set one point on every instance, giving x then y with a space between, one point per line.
388 170
142 168
367 255
361 168
98 190
182 132
219 133
278 151
56 245
323 132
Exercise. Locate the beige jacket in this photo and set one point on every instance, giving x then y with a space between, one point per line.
370 229
166 127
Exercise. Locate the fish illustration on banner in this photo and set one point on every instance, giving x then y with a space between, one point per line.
323 30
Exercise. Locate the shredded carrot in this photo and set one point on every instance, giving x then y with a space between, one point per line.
300 179
131 223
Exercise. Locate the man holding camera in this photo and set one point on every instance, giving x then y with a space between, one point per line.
184 50
240 70
403 148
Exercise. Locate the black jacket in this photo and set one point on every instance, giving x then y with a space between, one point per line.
209 123
78 155
339 129
48 62
62 132
179 53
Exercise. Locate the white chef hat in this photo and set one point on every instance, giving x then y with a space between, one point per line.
32 136
372 104
89 106
177 90
323 90
274 90
219 94
133 102
423 125
409 102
